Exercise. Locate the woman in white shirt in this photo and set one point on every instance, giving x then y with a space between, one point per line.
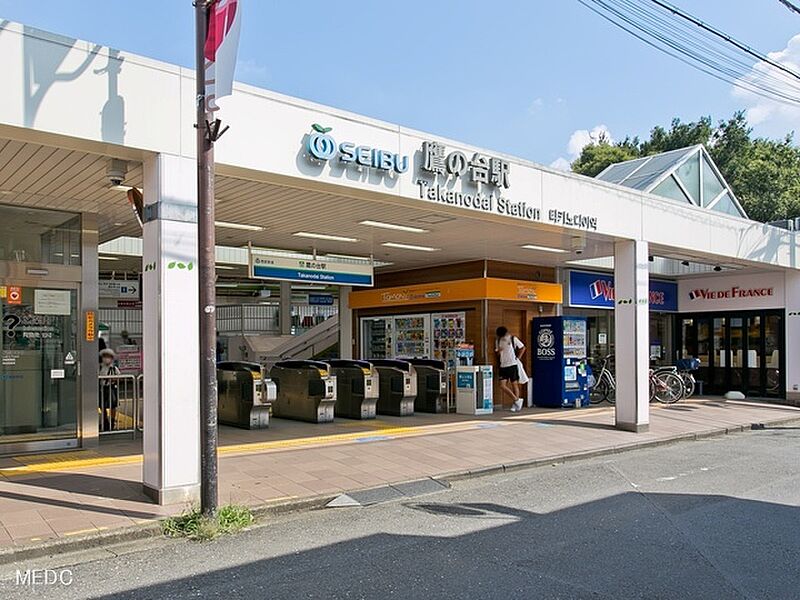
509 350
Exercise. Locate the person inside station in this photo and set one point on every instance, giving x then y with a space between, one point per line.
109 399
127 340
509 350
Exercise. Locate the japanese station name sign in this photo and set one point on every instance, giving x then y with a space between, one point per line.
478 182
310 271
484 182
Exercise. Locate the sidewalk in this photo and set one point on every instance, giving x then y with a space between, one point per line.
50 496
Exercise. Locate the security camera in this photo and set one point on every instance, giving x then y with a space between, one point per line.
116 171
578 244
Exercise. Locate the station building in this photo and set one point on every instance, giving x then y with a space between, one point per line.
429 239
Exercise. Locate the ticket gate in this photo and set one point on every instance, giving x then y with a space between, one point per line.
431 385
244 397
357 384
398 387
306 391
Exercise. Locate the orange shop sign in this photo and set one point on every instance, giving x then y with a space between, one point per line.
483 288
91 326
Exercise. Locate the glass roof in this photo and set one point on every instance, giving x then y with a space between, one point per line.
686 174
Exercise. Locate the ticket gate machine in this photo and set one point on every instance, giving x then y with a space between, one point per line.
306 391
244 397
357 384
398 387
431 385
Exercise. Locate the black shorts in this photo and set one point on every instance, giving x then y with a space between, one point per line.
509 373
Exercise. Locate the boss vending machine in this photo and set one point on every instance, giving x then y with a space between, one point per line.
559 362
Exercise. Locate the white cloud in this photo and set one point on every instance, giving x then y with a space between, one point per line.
770 117
579 139
561 163
535 106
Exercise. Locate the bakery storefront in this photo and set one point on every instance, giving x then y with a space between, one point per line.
591 294
735 326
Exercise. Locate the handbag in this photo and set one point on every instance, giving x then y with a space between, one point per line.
523 376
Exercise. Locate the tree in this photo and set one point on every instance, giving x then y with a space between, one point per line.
764 174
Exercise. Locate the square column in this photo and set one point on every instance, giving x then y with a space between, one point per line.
345 323
285 308
171 331
792 345
631 335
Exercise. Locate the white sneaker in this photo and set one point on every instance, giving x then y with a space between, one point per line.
517 405
514 407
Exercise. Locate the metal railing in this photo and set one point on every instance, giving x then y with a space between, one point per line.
119 401
247 318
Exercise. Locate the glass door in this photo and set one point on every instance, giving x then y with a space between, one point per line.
720 356
737 373
38 367
773 343
754 361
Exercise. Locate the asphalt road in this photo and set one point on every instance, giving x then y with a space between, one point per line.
711 519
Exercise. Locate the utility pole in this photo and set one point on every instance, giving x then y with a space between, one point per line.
206 135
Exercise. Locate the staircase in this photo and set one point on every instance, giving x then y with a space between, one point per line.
268 350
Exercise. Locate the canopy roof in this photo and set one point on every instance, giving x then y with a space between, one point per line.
686 175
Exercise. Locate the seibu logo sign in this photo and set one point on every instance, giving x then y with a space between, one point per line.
731 293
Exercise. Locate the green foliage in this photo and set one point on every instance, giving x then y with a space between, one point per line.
764 173
193 525
596 157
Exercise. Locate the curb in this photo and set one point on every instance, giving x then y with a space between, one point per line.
88 541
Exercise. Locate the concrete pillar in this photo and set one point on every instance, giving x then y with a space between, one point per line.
88 302
631 334
171 331
285 308
791 356
345 323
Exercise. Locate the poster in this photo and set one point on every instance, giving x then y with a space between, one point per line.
52 302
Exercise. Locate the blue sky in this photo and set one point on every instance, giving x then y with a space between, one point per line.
523 77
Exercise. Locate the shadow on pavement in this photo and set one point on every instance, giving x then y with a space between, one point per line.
632 545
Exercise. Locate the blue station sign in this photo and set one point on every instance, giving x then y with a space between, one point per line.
310 271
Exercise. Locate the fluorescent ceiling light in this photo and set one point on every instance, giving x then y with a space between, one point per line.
123 188
225 267
409 247
324 236
544 249
108 258
243 226
393 226
347 256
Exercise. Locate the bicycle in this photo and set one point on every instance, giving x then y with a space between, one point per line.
603 386
666 386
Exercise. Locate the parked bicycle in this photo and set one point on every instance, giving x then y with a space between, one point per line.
603 386
666 386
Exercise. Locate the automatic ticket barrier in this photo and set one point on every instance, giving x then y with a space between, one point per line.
398 387
306 391
431 385
357 384
244 397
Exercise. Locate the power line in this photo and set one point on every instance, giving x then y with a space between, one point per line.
790 6
701 46
726 37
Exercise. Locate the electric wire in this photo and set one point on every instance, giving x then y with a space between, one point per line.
686 38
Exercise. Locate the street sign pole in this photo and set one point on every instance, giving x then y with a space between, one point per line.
206 273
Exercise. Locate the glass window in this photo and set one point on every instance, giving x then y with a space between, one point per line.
670 189
43 236
726 205
712 187
689 175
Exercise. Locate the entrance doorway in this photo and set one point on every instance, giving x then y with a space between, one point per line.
738 351
39 363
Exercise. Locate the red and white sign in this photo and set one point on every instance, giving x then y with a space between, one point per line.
14 294
735 292
222 44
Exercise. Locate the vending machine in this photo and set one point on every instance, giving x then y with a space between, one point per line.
560 378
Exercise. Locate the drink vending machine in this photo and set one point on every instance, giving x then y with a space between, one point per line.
559 362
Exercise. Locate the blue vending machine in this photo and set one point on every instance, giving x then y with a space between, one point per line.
559 362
